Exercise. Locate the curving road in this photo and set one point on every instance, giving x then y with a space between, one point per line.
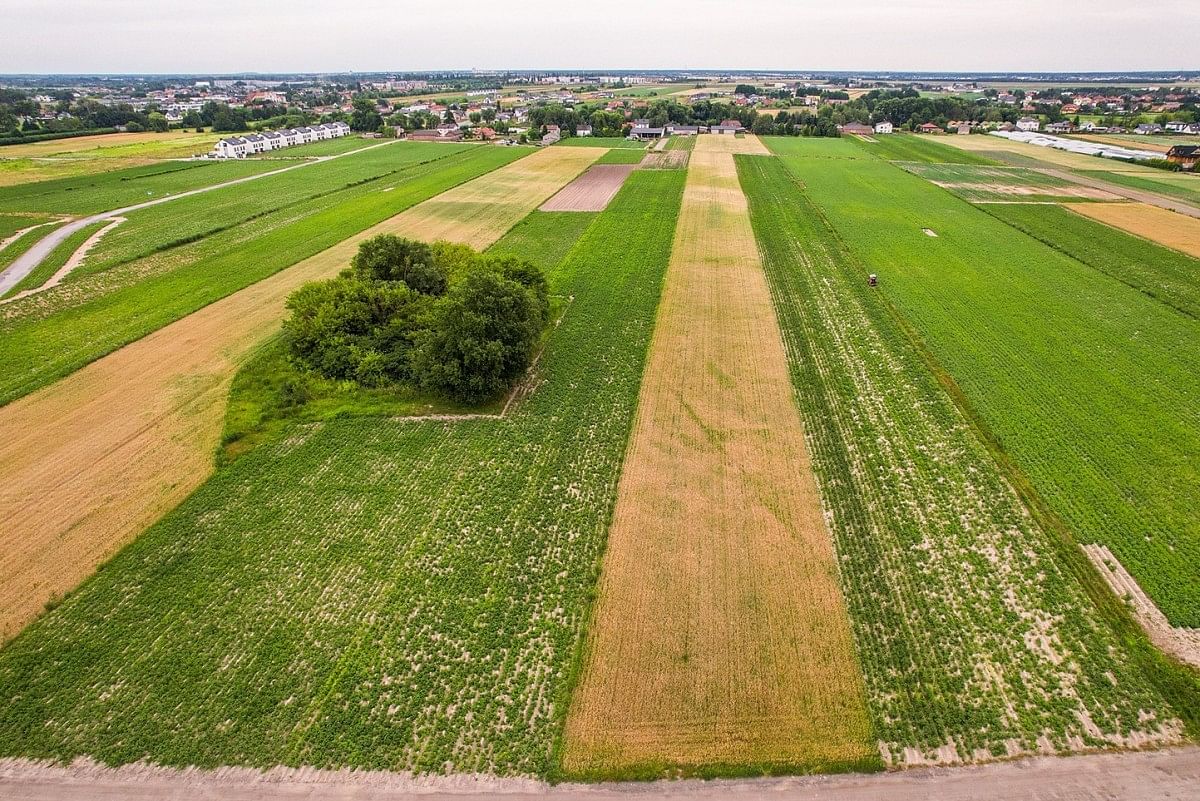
30 259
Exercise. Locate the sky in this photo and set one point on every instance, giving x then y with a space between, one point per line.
225 36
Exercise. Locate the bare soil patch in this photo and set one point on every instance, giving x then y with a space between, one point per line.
592 191
720 633
1169 228
1021 190
665 160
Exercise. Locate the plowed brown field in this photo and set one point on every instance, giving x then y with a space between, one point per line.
720 632
591 191
89 462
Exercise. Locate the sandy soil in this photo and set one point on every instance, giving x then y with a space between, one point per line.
1150 222
479 212
1181 642
89 462
592 191
1131 776
720 633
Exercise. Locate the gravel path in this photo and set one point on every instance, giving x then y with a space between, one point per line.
1134 776
30 259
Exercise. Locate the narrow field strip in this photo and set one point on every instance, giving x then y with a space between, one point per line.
720 635
101 454
976 640
479 212
591 191
74 260
1168 228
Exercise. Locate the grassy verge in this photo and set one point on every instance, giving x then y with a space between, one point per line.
55 259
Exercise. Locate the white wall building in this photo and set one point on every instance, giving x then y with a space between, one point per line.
883 127
1028 124
238 147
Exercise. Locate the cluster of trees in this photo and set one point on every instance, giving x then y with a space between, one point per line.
442 318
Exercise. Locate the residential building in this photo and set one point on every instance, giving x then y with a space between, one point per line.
443 133
858 129
1060 127
929 128
646 132
883 127
1029 124
1185 155
242 146
727 127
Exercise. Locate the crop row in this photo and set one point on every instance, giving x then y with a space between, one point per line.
53 333
1087 384
372 593
974 640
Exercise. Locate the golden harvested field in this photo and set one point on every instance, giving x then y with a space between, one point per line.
723 143
720 633
480 211
116 145
1168 228
100 455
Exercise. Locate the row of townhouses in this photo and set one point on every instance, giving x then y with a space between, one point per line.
236 147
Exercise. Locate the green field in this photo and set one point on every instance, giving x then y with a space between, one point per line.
11 223
339 598
91 194
22 244
54 333
601 141
1056 397
1176 185
951 586
919 148
55 259
621 155
325 147
986 184
1167 275
544 237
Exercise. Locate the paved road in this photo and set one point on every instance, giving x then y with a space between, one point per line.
1138 776
30 259
1151 198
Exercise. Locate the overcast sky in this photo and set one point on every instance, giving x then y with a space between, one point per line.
379 35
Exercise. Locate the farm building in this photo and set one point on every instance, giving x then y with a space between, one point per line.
884 127
583 130
683 130
236 147
858 129
645 132
443 133
1028 124
729 127
1185 155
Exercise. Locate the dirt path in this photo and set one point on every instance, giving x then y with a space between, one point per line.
74 261
1151 198
28 261
1132 776
87 463
720 633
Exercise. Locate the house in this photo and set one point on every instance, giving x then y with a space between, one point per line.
963 128
1185 155
486 134
929 128
727 127
552 135
646 132
883 127
233 147
683 130
443 133
1028 124
1060 127
858 129
1146 129
583 130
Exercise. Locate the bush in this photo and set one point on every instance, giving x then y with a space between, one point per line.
444 318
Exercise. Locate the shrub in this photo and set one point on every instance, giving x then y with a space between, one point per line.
390 258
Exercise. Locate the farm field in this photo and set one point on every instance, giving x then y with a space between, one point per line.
1150 222
1022 154
48 335
155 436
325 147
87 155
25 241
56 259
1183 187
1056 397
920 148
622 155
370 563
988 184
592 190
11 224
1167 275
720 633
976 640
614 142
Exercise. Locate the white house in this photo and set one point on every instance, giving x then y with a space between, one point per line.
884 127
237 147
583 130
1028 124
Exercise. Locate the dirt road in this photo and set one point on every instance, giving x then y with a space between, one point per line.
1138 776
30 259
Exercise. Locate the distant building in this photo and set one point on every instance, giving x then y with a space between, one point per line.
858 129
237 147
1185 155
1148 128
727 127
583 130
884 127
1029 124
683 130
443 133
929 128
1060 127
646 132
